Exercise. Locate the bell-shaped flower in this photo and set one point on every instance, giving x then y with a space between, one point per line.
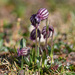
35 21
24 51
42 14
33 34
47 32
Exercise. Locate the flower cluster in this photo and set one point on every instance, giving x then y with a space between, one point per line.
35 19
29 55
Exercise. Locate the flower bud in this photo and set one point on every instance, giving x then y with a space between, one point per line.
33 34
47 32
24 51
35 20
42 13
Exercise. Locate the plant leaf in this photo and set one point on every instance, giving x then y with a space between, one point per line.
1 43
38 52
27 60
22 43
5 49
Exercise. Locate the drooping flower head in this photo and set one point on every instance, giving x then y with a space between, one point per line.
33 34
35 20
42 14
24 51
47 32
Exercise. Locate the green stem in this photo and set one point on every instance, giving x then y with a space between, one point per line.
46 37
41 71
35 48
39 42
22 63
52 48
40 46
46 33
36 38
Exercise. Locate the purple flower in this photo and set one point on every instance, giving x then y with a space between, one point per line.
33 34
35 20
19 52
24 51
47 33
42 13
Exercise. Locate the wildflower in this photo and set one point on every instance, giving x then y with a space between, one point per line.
35 20
24 51
47 32
42 14
33 34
